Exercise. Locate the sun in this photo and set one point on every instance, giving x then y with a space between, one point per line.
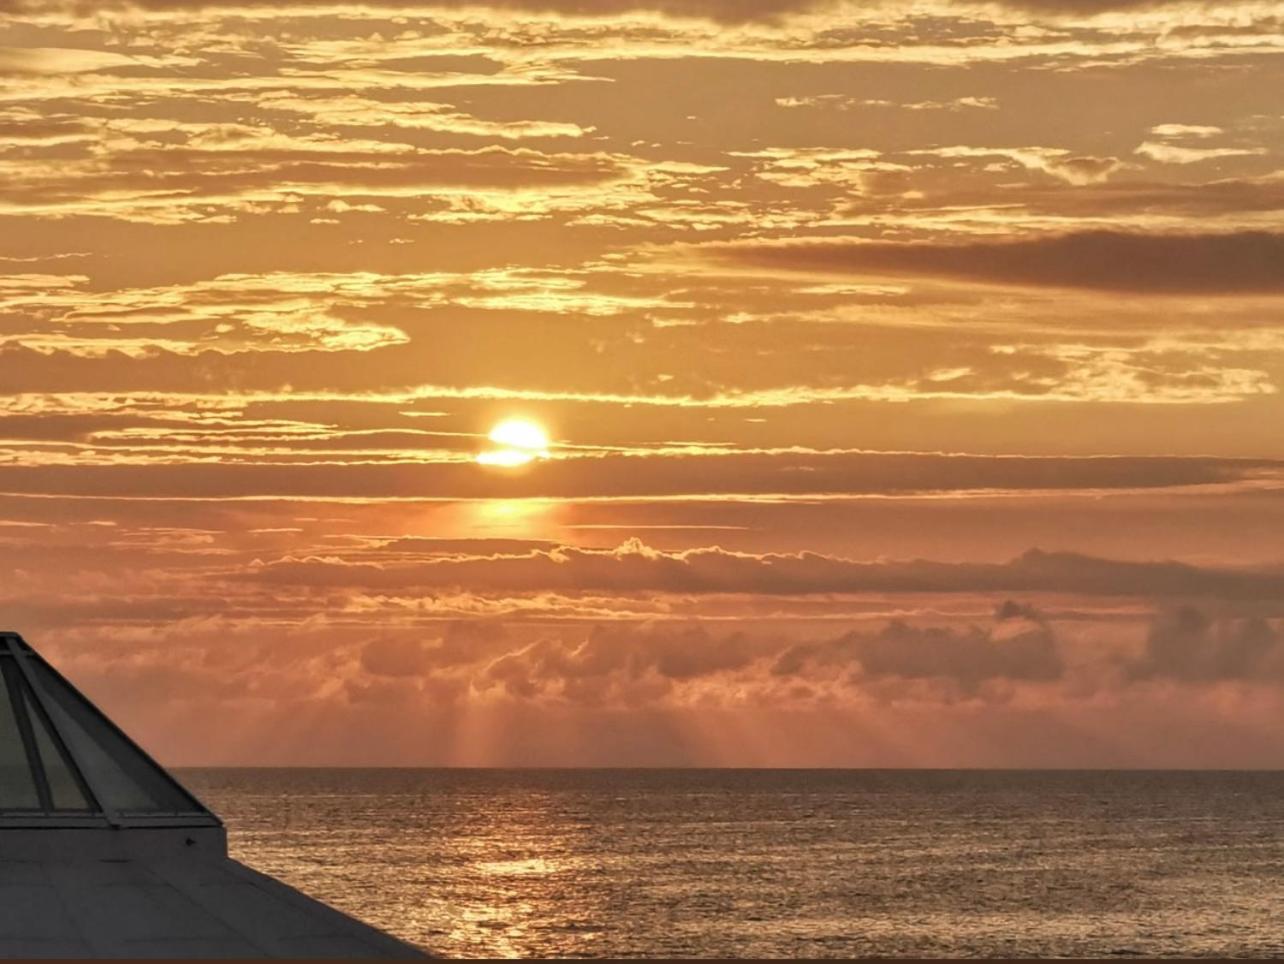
518 441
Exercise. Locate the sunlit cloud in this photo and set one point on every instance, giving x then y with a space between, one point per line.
912 364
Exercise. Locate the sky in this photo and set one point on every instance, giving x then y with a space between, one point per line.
886 383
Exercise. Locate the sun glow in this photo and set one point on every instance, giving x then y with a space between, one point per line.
518 441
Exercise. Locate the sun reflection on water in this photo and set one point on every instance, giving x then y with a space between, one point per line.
726 863
534 866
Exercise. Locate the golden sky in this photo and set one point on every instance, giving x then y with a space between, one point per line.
885 383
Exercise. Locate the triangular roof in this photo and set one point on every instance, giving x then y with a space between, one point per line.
104 854
63 763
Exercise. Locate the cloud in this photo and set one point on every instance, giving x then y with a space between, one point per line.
1227 263
1058 162
627 664
723 11
278 312
1177 154
636 567
1234 201
1083 168
169 173
1019 646
852 102
197 461
1164 151
642 663
394 657
1088 8
1184 643
1186 130
696 662
810 166
70 60
569 32
729 11
351 110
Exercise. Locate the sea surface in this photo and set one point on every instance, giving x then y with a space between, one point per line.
754 863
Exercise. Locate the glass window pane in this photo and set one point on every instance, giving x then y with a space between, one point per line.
62 784
120 776
17 785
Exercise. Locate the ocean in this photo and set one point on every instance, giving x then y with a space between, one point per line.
775 863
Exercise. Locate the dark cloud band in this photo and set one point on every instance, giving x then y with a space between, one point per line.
1233 262
635 567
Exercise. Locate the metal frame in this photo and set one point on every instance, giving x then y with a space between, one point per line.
14 683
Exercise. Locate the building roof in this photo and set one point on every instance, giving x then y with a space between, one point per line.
63 763
104 854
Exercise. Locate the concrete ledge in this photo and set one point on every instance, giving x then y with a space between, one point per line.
99 843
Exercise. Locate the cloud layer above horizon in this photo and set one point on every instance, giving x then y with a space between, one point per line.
912 372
